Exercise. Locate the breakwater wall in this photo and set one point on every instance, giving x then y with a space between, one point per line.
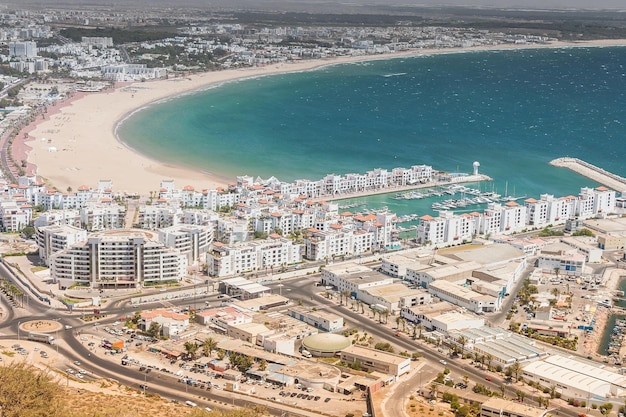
592 172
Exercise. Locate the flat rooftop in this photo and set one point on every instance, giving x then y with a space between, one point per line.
489 254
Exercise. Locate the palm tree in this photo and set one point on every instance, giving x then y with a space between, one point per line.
489 359
398 322
502 390
191 348
385 313
462 340
346 294
208 346
434 389
516 369
420 327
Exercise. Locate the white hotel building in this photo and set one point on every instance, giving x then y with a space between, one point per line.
55 238
337 242
190 240
446 229
120 259
270 254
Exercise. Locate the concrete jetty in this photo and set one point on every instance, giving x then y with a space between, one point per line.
613 181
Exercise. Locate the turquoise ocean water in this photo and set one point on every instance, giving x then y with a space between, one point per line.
513 111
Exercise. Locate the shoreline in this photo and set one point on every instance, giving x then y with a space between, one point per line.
78 144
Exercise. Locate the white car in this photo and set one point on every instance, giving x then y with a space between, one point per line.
443 362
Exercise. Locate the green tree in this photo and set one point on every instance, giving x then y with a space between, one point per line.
208 346
462 341
384 346
28 232
154 330
606 408
191 348
515 369
262 365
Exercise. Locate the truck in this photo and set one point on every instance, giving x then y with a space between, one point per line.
41 337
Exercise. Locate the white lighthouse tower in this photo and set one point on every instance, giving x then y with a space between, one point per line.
476 164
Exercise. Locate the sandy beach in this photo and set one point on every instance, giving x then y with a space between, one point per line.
76 145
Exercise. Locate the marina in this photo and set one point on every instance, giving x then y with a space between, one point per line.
477 197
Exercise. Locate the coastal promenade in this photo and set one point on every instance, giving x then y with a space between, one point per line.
592 172
401 188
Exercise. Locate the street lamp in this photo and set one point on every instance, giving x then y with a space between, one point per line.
280 289
18 330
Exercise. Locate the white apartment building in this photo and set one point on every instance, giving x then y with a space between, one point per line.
268 255
27 49
97 41
337 242
55 238
446 229
132 72
190 240
502 219
117 260
97 217
231 230
157 216
592 201
414 175
15 215
58 218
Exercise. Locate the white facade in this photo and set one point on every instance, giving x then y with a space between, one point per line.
55 238
97 217
26 49
351 277
271 254
446 229
464 297
322 320
192 241
561 258
337 242
132 72
115 260
578 379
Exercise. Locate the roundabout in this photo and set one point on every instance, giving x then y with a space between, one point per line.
41 326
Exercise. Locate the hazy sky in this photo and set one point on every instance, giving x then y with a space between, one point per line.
261 4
